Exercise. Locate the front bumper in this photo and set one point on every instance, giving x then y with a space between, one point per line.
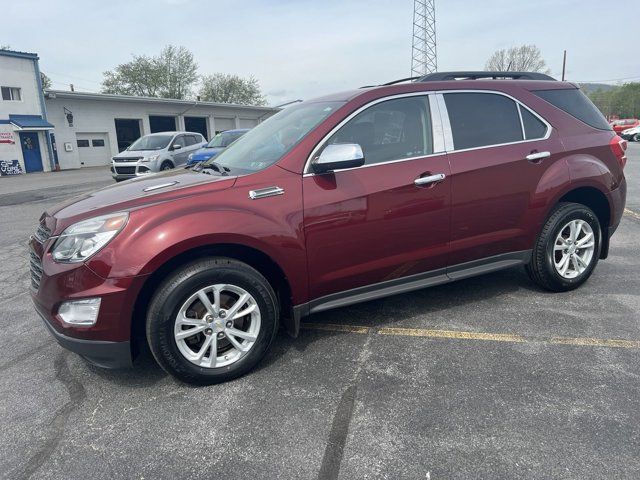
108 342
124 171
101 353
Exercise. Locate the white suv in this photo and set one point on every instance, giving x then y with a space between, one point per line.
155 152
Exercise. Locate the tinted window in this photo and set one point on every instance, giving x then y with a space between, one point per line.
83 143
481 119
190 140
390 130
179 141
576 104
533 126
97 142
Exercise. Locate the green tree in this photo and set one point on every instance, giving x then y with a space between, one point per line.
171 74
525 58
622 101
45 80
225 88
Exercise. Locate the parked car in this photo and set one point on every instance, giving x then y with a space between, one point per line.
217 144
330 202
154 153
624 124
632 134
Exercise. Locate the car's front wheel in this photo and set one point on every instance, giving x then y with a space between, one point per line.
212 320
166 165
567 249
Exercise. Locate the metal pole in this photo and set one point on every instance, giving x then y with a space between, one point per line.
564 64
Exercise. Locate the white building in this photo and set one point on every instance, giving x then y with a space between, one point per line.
25 143
90 128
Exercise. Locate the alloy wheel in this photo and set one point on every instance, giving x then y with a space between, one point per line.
573 249
217 326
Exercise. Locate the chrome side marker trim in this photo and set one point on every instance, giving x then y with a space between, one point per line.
265 192
159 186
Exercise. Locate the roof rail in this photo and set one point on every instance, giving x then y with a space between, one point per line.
442 76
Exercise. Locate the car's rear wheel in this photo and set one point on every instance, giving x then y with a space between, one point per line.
166 165
211 321
567 250
636 137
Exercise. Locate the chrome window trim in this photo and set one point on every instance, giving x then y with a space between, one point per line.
437 127
437 123
518 103
307 166
524 134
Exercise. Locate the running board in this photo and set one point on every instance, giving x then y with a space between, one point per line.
412 282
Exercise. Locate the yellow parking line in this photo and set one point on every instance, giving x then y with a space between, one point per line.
483 336
631 213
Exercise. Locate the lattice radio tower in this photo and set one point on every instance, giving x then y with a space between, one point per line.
423 45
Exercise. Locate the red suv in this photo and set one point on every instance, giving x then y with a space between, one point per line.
334 201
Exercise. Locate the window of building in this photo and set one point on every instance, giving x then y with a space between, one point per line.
11 93
97 142
533 126
482 119
83 143
390 130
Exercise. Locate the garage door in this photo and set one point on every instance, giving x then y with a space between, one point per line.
93 149
223 124
248 122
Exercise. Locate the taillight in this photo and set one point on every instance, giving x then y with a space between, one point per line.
619 147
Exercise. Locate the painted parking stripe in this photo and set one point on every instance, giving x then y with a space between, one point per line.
631 213
481 336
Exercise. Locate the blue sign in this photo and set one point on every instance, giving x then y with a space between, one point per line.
10 167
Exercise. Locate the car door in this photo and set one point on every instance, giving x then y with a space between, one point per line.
179 155
500 150
384 221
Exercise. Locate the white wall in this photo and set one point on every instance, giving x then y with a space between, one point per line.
98 116
21 73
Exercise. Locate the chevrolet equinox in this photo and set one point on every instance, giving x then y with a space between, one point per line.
333 201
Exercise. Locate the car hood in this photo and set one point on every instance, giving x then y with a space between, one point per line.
136 193
135 154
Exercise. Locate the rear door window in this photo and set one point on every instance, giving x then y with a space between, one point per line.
390 130
576 104
482 119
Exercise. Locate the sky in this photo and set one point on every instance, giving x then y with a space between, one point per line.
307 48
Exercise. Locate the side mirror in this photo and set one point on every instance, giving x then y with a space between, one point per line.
176 147
337 157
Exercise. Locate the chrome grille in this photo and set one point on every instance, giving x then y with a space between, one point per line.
42 233
126 159
35 269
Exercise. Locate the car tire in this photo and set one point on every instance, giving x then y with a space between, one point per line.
576 255
166 165
636 138
188 359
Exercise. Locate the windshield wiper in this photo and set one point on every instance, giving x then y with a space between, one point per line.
216 167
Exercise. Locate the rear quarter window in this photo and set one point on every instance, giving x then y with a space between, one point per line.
576 104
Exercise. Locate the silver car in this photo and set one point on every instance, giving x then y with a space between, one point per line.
154 153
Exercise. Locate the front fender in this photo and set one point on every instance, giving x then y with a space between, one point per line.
157 233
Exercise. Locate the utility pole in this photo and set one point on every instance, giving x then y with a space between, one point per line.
423 45
564 64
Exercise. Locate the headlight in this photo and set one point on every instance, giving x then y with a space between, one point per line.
81 240
151 158
190 156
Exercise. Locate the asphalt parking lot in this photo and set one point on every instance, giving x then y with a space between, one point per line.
488 377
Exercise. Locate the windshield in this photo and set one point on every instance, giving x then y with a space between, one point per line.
224 139
151 142
268 142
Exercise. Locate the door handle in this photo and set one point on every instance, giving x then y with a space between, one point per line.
537 156
438 177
